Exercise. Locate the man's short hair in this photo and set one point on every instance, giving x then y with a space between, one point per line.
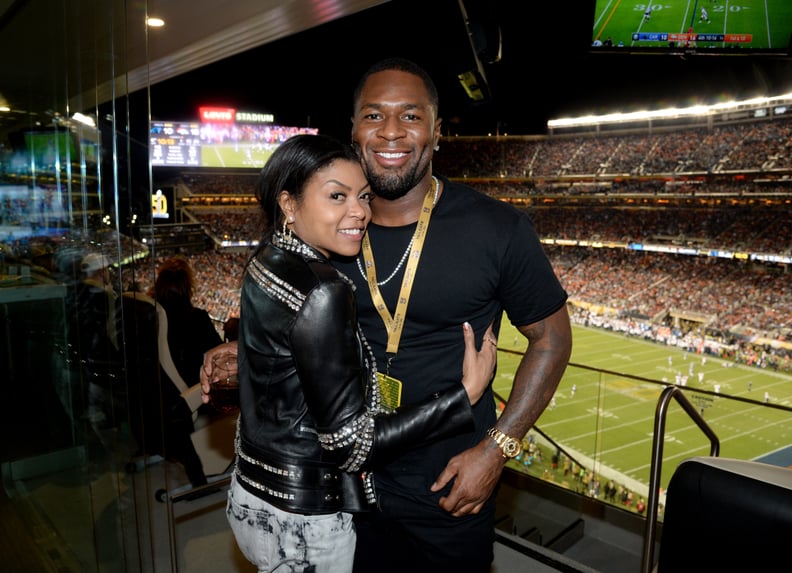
400 65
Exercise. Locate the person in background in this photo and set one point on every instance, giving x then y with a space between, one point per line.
141 357
98 311
190 334
476 258
313 416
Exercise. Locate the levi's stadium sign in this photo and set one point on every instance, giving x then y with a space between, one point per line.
252 117
230 115
216 114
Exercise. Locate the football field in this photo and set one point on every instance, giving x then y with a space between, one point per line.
605 420
242 154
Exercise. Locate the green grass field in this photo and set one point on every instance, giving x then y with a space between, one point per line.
607 422
241 155
625 22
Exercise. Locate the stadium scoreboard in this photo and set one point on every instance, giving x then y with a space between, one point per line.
222 137
175 144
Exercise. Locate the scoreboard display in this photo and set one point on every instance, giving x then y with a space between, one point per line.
691 37
223 138
175 144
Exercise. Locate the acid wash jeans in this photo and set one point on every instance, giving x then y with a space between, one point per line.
278 541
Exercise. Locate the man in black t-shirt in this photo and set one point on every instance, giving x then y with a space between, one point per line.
471 258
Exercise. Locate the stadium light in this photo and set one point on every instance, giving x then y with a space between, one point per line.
669 113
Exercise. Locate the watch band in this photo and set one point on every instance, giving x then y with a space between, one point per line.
510 447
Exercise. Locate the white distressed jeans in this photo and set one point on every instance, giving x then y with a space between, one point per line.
277 541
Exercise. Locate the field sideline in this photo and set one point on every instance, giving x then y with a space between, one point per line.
608 420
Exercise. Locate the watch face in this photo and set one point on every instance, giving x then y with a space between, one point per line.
511 447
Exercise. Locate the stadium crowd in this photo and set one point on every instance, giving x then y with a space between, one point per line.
735 298
635 293
736 147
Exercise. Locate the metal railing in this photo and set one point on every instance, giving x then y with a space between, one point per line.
675 392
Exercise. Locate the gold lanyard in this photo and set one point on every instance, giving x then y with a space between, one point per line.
394 324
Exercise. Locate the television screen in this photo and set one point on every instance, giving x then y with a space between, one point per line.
697 26
51 147
32 211
216 145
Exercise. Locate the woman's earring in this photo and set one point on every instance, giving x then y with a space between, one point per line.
437 148
287 232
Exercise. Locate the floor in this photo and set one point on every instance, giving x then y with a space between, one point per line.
136 511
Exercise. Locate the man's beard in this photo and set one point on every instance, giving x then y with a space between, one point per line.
393 185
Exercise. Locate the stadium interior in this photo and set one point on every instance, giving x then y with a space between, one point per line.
671 231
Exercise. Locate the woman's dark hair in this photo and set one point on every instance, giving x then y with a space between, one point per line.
398 65
290 167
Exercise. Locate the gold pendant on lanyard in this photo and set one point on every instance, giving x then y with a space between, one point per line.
391 387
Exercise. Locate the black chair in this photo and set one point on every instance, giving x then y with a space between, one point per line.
725 515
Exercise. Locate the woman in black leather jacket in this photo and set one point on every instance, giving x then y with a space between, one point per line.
312 422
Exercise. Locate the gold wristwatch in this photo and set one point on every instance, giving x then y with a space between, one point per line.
510 447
